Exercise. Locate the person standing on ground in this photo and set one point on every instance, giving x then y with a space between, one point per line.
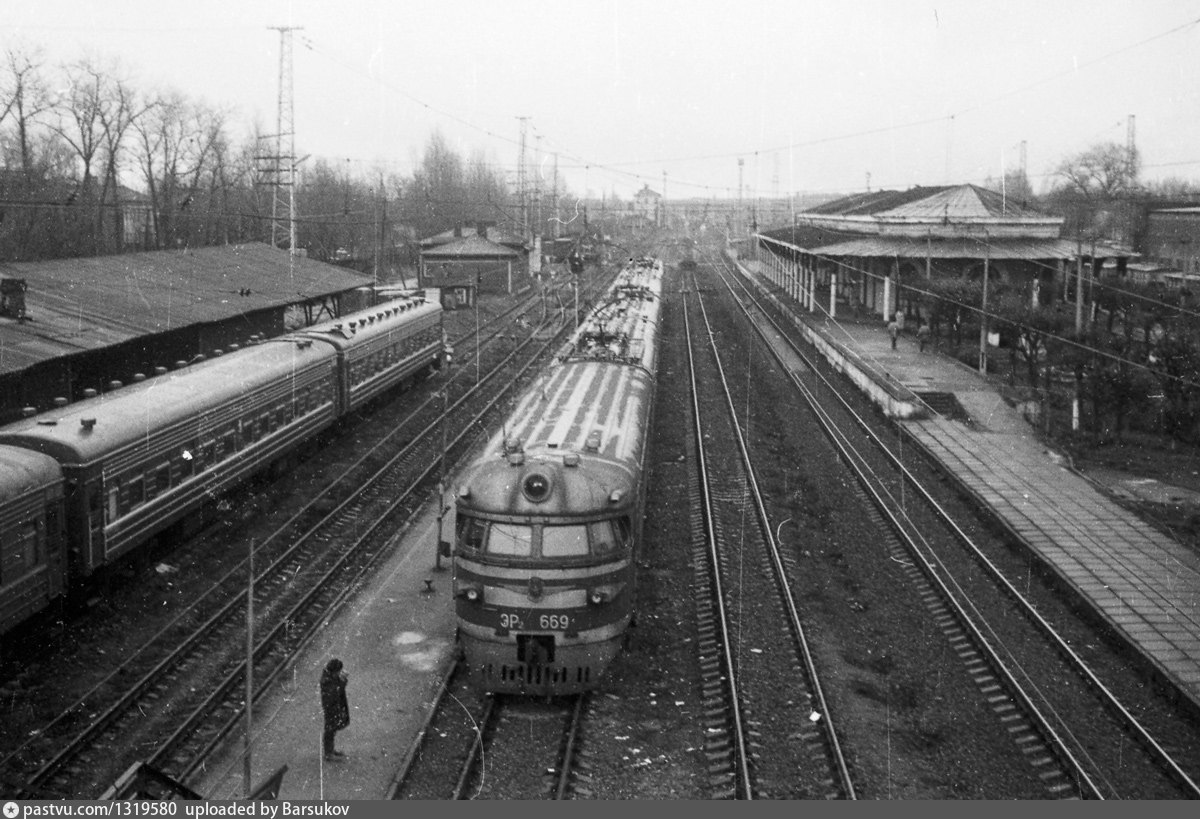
334 705
893 331
923 335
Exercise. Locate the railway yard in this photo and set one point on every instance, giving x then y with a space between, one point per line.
823 610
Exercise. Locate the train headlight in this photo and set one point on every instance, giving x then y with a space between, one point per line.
469 592
598 597
536 486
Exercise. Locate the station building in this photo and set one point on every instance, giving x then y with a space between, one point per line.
861 252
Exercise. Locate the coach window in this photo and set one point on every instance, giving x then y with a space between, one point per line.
162 479
28 544
137 492
510 539
564 541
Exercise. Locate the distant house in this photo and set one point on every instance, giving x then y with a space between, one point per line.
468 262
1173 238
647 207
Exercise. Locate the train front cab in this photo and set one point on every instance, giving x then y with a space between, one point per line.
543 605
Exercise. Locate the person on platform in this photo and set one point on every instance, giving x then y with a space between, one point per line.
335 707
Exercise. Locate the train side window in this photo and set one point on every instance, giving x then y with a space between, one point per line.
113 509
510 539
565 541
162 479
28 544
137 492
604 541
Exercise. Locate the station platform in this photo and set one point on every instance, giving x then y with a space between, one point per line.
395 635
1140 580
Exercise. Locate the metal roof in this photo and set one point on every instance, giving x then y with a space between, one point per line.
95 302
995 249
944 201
470 247
492 234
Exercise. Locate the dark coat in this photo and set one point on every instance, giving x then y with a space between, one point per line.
333 700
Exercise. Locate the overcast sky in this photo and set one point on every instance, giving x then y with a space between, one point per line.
812 96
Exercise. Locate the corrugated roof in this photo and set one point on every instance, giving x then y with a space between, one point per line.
945 201
494 234
472 247
996 249
99 301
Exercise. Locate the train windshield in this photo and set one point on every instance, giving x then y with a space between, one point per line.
600 538
510 539
564 541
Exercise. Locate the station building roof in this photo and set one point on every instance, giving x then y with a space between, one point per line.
470 247
73 305
946 222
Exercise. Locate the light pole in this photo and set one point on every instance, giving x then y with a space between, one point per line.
476 329
441 498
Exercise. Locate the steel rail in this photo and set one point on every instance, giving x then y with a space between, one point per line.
1075 660
788 598
741 754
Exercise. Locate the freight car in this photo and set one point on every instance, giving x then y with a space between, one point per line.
86 483
549 518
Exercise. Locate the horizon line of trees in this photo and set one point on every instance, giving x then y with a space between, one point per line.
71 132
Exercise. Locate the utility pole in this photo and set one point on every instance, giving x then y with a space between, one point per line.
664 200
521 182
285 144
983 317
1131 152
557 221
740 212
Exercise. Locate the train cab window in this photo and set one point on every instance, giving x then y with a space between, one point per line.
113 509
564 541
471 532
625 530
510 539
603 539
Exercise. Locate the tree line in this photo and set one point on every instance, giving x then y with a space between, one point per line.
94 164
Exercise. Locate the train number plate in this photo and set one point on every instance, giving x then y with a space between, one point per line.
534 621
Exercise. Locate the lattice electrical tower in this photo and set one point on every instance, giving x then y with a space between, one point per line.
281 165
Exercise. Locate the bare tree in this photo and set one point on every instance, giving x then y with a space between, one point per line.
1101 173
23 98
177 138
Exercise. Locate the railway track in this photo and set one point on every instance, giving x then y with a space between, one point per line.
176 697
1070 717
747 673
483 746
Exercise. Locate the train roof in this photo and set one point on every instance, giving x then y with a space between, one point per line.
78 433
623 327
23 471
362 324
587 407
